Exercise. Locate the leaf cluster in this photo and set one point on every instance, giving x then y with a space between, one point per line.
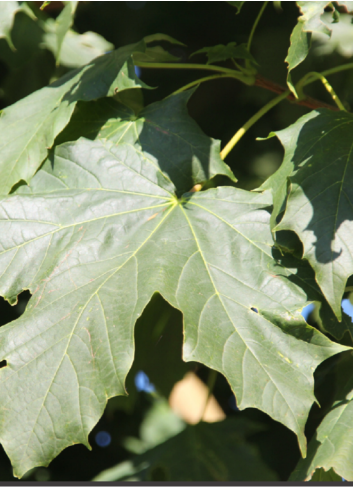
106 201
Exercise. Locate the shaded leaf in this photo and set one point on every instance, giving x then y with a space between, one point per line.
154 55
76 49
341 40
132 99
205 452
44 4
300 40
96 234
222 52
331 445
237 5
159 424
161 125
29 67
318 162
162 37
25 140
7 16
320 475
304 276
158 346
157 53
62 24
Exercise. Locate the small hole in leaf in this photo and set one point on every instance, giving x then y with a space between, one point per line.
11 312
3 363
254 309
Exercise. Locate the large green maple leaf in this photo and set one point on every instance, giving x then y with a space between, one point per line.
99 231
29 127
318 164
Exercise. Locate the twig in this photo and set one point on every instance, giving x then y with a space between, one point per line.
309 102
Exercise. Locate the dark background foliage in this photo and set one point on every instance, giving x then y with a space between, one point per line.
220 107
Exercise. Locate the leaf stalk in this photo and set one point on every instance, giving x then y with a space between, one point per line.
252 32
186 66
313 76
337 69
205 79
240 133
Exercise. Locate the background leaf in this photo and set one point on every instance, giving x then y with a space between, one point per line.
162 37
205 452
237 5
341 40
222 53
62 24
7 14
159 424
8 11
331 446
320 475
158 345
75 49
300 40
155 54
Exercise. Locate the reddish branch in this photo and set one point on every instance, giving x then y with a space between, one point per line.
307 102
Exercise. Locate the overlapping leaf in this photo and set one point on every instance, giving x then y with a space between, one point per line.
237 5
7 15
100 230
205 452
341 41
222 52
29 127
304 276
62 24
318 162
300 39
331 447
162 130
320 475
156 53
158 425
76 49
